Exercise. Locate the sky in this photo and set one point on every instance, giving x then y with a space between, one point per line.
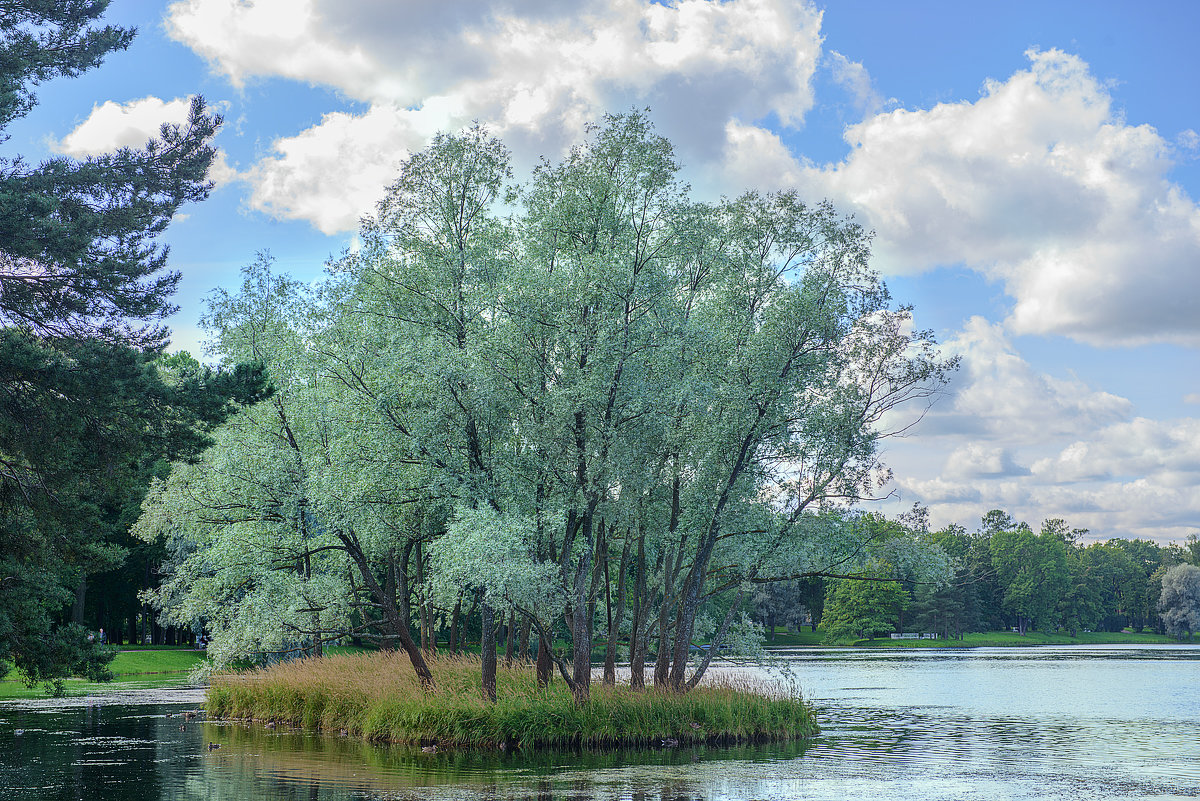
1031 171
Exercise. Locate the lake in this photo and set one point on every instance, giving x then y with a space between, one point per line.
1071 722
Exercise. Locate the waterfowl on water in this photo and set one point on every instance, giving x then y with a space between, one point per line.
429 749
213 746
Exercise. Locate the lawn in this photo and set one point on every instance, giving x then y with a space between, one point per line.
1009 638
150 666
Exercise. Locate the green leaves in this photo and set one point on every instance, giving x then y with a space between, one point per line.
611 363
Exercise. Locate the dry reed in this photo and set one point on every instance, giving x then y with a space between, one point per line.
377 696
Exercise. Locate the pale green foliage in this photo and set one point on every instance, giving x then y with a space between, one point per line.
493 553
615 357
1180 600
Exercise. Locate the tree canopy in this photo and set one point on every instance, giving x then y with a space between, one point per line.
648 400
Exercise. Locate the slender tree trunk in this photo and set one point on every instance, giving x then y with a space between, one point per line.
523 645
510 638
454 626
487 650
394 606
581 628
545 666
638 637
610 654
424 614
80 597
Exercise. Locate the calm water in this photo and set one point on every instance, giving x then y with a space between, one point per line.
1047 723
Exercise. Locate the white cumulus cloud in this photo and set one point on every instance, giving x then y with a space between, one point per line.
1040 184
536 73
112 125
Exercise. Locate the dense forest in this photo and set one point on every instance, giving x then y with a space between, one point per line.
1006 576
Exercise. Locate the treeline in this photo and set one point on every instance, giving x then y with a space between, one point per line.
1007 576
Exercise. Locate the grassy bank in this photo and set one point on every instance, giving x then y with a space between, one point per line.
993 639
157 666
377 697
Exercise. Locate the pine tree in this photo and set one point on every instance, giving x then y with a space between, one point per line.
83 290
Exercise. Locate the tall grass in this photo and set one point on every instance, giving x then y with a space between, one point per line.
377 696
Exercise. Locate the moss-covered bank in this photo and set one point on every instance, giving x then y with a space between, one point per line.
376 696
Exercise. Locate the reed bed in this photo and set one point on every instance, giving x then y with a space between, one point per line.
377 697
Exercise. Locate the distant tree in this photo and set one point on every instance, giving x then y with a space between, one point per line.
1031 569
780 603
862 608
1192 547
1180 600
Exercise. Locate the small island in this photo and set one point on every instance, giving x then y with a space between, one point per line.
377 696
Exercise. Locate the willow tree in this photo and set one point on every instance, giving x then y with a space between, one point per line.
661 392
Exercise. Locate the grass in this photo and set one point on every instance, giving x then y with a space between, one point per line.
377 697
158 666
992 639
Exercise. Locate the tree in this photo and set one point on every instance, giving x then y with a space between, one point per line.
864 607
1031 569
1180 600
83 287
668 391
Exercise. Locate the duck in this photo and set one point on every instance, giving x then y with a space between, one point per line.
183 728
270 724
213 746
429 749
18 732
670 742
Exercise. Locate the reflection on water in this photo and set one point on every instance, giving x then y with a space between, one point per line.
1077 723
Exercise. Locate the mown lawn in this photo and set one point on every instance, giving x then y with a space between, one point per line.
143 667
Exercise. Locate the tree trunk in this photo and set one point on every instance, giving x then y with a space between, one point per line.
487 650
610 653
545 671
454 626
523 644
509 638
80 597
638 639
395 607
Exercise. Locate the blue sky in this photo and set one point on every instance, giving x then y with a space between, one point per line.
1031 171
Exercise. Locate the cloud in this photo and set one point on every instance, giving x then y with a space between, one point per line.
997 395
976 460
1007 436
335 172
854 78
1039 184
113 125
1165 452
536 76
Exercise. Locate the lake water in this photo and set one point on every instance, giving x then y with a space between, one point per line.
1074 723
